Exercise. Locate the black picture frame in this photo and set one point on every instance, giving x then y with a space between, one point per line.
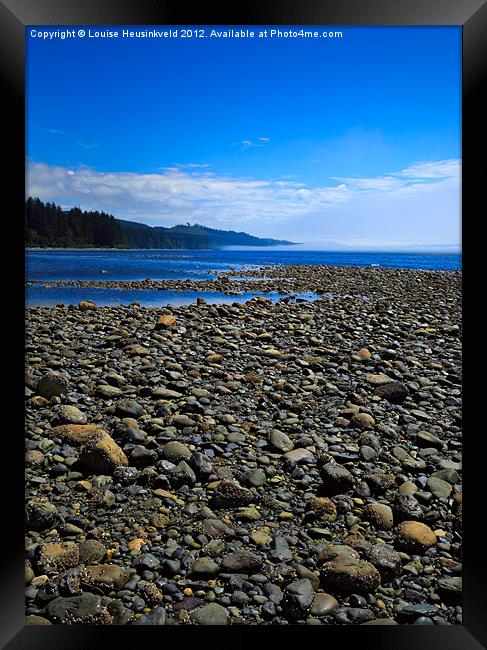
14 16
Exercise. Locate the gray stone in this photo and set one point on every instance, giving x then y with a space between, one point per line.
412 612
386 559
86 609
336 479
280 441
155 617
438 487
280 550
52 384
255 477
244 561
128 408
147 561
182 474
175 451
298 598
407 507
205 566
347 575
212 614
71 415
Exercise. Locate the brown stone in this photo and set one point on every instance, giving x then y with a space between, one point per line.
58 556
348 575
321 508
231 495
413 535
214 358
34 457
106 576
323 604
102 455
76 434
159 520
86 305
379 515
37 402
378 380
362 355
166 321
362 421
37 620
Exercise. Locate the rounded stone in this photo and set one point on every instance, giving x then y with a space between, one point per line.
175 451
91 551
323 604
211 614
71 415
380 515
336 479
205 566
385 559
362 421
411 535
438 487
37 620
52 384
395 392
128 408
347 575
102 455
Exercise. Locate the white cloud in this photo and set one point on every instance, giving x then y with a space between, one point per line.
438 169
417 177
258 142
266 207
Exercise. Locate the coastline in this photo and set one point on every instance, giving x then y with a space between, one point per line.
283 280
118 249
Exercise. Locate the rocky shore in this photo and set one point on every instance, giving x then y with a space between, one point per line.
372 282
254 463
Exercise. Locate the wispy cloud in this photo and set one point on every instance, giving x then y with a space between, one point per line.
73 138
87 145
258 142
174 193
420 176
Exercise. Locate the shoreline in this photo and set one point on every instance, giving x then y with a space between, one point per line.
119 249
276 248
287 281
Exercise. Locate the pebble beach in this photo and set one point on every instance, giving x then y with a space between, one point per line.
267 462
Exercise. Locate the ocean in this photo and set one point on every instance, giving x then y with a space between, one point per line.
106 265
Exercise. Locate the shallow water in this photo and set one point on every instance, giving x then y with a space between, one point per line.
96 265
38 296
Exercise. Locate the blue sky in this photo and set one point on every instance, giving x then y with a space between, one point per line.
351 142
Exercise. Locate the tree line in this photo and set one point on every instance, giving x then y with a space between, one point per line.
49 226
